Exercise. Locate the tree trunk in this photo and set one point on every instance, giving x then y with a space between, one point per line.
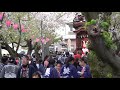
37 55
20 35
90 15
11 51
106 55
29 44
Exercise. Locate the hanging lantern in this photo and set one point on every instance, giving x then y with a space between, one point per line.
15 26
8 23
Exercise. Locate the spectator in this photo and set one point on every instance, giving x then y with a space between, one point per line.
85 72
68 70
3 62
51 72
36 75
10 70
26 70
58 67
77 55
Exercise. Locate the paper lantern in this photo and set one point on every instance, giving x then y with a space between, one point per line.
15 26
8 23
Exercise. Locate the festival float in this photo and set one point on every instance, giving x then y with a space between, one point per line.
81 33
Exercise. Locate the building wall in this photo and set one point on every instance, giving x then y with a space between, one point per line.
71 44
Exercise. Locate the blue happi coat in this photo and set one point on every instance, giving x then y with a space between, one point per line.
87 73
69 72
51 72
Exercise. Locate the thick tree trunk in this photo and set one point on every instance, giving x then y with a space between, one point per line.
106 55
91 15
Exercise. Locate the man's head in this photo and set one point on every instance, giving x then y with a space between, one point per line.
59 65
51 61
4 59
46 63
11 60
30 57
36 75
67 54
25 60
83 61
70 59
46 57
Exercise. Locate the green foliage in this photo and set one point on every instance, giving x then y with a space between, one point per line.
92 22
104 25
108 40
98 68
56 40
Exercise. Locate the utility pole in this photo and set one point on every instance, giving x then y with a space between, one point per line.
41 42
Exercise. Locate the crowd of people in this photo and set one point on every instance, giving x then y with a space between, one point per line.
59 66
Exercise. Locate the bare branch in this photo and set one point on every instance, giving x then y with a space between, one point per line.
20 34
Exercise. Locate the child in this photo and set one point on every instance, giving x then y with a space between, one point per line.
36 75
